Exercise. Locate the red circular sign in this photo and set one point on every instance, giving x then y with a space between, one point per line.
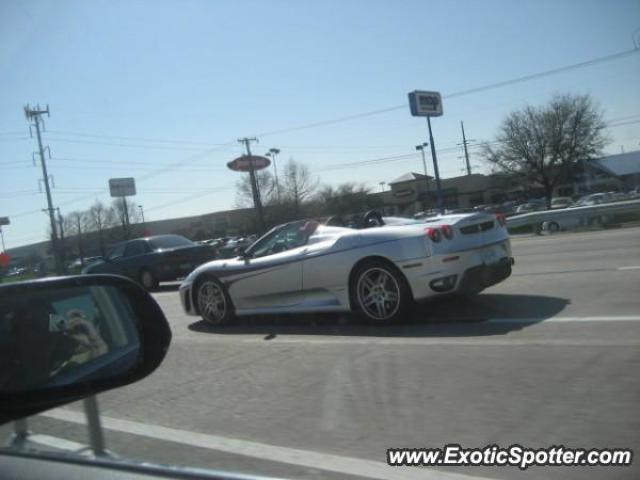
4 259
243 164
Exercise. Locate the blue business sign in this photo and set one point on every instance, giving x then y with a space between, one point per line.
425 104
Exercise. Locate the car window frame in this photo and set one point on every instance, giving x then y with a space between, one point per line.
269 236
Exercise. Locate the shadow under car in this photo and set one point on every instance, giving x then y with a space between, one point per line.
443 317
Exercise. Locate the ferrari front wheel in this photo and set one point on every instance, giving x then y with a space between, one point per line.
380 293
213 302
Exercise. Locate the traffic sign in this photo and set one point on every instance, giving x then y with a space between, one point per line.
244 163
122 187
425 104
4 259
4 221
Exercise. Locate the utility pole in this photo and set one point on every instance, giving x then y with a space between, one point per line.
254 184
273 153
35 115
424 165
466 152
382 184
80 245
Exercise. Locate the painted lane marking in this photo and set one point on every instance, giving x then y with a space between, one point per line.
293 456
634 267
632 318
57 443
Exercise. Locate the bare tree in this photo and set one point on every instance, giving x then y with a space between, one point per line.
76 223
100 218
544 144
346 197
297 185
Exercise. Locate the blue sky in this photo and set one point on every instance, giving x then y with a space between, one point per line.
140 86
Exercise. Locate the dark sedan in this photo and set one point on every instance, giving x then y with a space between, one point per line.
152 260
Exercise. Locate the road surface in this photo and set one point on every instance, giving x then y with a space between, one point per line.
549 357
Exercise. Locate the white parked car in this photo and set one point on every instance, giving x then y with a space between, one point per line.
561 202
530 206
305 266
593 199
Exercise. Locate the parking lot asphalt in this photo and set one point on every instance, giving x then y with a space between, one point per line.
549 357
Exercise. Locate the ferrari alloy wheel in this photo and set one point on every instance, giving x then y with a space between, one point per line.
380 292
213 303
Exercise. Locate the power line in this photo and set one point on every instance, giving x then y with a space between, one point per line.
489 86
199 155
186 199
125 145
135 139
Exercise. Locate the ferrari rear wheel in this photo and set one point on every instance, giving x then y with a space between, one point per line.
380 293
213 302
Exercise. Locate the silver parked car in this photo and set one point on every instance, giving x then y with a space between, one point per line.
305 266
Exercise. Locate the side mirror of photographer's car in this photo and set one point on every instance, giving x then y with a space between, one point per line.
63 339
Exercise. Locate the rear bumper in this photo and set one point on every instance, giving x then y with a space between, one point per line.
483 276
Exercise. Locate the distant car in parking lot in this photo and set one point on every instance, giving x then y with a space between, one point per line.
152 260
561 202
530 206
593 199
235 246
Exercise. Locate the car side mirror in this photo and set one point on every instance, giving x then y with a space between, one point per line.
63 339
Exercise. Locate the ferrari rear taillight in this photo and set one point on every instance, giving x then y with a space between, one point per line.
447 231
433 234
502 219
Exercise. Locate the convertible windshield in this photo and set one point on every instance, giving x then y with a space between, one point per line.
283 238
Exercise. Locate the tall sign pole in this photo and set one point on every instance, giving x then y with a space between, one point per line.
435 167
426 174
3 221
123 188
429 104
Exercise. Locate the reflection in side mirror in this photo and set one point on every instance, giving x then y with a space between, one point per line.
63 339
59 336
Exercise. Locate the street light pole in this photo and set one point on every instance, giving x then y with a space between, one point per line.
141 213
254 184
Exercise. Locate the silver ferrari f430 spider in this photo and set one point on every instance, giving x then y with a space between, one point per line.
376 271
